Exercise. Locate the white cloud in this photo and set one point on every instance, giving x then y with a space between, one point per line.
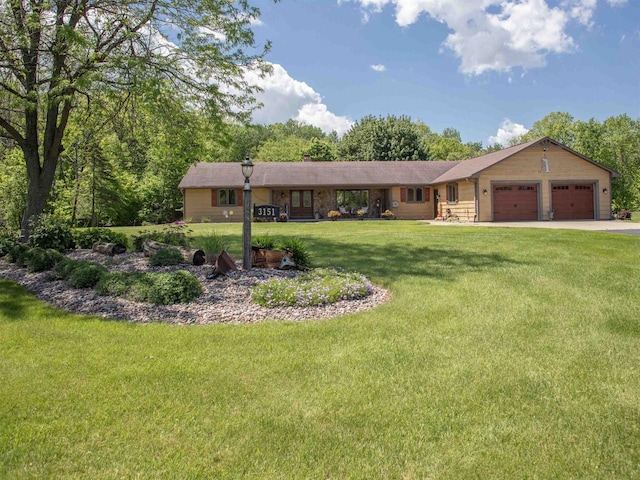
497 35
379 68
318 115
507 132
285 98
581 10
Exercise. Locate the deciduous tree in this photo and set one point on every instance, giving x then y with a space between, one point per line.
53 51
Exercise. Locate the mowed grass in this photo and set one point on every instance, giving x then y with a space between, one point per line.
503 353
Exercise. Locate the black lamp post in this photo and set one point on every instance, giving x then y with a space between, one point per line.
247 170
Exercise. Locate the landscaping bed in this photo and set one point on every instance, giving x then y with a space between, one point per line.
224 299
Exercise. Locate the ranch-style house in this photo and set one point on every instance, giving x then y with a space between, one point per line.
537 180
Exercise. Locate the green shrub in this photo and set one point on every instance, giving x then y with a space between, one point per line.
176 234
121 284
211 245
18 254
86 275
49 231
298 249
166 256
79 273
159 288
175 287
318 287
63 268
264 241
86 237
39 260
8 240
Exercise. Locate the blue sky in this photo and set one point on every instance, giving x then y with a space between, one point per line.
489 68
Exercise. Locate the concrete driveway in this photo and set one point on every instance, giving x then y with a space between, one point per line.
611 226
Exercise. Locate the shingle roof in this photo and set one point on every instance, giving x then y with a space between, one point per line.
353 174
316 174
474 166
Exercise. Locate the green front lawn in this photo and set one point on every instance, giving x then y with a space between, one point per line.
503 353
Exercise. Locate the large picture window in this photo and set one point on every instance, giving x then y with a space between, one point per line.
350 201
452 193
227 197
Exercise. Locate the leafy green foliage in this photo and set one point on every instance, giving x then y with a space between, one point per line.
7 241
158 288
175 287
379 139
317 287
298 249
39 259
18 254
79 273
50 231
85 238
176 234
211 244
87 275
265 241
165 257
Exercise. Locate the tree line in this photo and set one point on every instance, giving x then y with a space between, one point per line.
104 105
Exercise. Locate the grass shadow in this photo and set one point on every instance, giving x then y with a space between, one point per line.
13 300
393 260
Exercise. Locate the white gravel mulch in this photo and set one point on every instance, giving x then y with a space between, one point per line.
223 300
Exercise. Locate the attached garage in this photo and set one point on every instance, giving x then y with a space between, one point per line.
573 201
515 202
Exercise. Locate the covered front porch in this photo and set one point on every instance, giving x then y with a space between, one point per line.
317 203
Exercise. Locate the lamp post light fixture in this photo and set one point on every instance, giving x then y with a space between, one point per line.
247 170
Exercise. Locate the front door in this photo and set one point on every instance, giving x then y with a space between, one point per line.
301 203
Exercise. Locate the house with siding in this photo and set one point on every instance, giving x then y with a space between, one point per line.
537 180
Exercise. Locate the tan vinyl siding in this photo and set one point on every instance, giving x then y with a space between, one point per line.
410 210
464 208
527 167
197 205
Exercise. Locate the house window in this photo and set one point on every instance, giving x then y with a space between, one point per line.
452 193
415 194
350 201
227 197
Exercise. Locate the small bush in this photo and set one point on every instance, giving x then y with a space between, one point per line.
159 288
86 275
85 238
175 287
211 245
7 241
18 254
63 269
166 256
39 260
318 287
126 285
49 231
264 241
298 249
79 273
176 234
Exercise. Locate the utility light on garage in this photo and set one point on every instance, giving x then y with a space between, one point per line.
605 190
485 192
